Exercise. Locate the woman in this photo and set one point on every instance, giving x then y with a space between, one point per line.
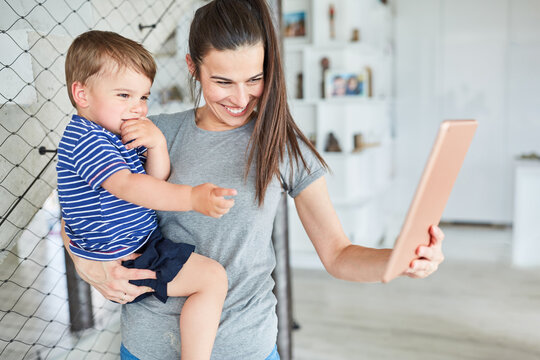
243 138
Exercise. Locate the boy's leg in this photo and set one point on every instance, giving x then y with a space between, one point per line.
204 281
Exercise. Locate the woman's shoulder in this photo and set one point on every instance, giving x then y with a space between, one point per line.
171 123
177 117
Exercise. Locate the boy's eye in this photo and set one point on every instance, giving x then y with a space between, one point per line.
145 98
255 80
123 95
224 82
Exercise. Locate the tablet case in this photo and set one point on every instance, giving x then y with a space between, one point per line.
434 188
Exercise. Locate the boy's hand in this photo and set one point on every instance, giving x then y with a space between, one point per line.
209 200
143 132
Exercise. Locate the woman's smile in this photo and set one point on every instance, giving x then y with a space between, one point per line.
235 111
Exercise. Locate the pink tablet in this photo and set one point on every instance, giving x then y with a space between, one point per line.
433 191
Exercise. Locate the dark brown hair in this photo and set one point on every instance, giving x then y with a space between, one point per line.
228 25
94 52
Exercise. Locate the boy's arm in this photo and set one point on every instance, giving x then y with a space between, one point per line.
158 163
143 132
152 193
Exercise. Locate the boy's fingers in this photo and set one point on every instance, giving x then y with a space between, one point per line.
225 204
133 144
223 192
128 124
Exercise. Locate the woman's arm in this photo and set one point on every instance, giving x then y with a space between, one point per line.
339 256
110 278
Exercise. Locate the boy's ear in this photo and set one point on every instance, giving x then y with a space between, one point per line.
190 65
78 91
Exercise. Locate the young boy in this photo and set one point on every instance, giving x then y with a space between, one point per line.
106 196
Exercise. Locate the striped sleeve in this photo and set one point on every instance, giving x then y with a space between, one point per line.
95 158
141 152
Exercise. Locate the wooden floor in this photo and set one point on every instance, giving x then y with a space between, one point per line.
475 307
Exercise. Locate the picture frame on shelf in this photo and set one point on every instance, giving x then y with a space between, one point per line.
294 24
296 19
347 83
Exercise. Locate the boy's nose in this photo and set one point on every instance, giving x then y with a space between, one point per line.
137 108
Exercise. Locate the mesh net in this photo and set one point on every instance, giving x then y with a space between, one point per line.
34 109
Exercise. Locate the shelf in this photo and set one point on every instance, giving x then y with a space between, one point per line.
359 180
361 47
349 100
344 155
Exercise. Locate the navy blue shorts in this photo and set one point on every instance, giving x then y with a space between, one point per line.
164 257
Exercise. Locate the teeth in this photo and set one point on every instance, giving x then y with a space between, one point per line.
236 110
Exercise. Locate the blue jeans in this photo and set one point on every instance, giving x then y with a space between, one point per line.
273 355
126 355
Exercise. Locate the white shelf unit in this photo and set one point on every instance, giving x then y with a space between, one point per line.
359 180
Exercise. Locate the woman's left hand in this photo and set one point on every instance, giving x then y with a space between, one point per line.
429 256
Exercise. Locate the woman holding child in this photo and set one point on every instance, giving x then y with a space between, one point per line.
243 138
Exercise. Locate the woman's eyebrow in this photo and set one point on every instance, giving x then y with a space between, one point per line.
220 78
216 77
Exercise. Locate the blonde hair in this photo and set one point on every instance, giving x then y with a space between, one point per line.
94 52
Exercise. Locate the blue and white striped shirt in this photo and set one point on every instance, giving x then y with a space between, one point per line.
100 225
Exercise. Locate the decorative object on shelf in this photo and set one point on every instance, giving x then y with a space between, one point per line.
299 85
331 13
313 138
294 24
332 144
346 83
325 65
529 156
369 81
172 93
360 144
355 37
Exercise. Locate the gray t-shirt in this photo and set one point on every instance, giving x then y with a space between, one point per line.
240 241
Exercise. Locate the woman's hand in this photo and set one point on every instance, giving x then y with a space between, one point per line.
430 256
111 279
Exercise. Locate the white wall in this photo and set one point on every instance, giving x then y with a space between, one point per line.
468 59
